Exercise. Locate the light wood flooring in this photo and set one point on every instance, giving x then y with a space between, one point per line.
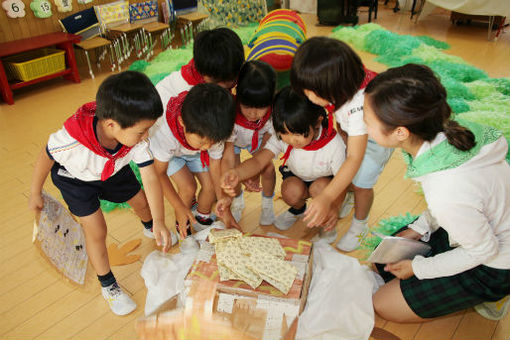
35 303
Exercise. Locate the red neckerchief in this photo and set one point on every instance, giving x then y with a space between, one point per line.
255 126
369 75
325 137
80 126
173 111
190 74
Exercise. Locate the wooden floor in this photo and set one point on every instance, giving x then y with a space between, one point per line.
35 303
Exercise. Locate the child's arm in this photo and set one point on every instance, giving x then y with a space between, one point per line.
223 204
320 206
41 170
183 213
228 160
155 199
245 170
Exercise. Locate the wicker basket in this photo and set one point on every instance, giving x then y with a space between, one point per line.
34 64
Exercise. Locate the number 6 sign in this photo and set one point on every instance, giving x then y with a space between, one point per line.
14 8
41 8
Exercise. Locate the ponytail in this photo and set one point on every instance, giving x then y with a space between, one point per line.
459 136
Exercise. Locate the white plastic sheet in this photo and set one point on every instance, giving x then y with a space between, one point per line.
339 304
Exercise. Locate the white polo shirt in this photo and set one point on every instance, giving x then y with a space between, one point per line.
84 164
350 115
242 137
164 145
171 86
310 165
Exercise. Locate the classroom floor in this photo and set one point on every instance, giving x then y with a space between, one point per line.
35 303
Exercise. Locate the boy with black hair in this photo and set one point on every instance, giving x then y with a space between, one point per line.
218 55
196 124
89 160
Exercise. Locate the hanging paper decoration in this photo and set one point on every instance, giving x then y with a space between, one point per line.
41 8
14 8
82 2
64 5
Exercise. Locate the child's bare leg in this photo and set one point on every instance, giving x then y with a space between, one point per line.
186 185
390 304
294 193
140 205
363 199
268 179
316 188
94 228
207 195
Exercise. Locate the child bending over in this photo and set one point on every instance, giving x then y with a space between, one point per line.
312 156
253 127
89 160
194 127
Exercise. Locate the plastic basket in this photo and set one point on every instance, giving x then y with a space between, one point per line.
34 64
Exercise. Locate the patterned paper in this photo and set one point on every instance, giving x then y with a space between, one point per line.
216 235
274 269
263 245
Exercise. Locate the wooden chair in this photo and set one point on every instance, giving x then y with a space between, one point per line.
85 24
372 7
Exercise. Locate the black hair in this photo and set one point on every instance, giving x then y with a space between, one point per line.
128 98
413 97
296 114
328 67
256 84
218 53
209 111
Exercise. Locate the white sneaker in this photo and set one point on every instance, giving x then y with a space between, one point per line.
347 205
285 220
120 303
148 233
267 213
494 310
237 207
353 237
328 236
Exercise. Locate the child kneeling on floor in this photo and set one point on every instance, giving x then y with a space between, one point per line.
312 156
89 160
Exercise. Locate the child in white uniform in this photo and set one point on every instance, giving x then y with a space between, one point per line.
312 156
89 160
466 182
196 123
254 96
331 75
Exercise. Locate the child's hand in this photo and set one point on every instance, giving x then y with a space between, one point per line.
253 184
331 220
163 237
229 182
36 202
402 269
222 206
317 211
229 221
410 233
184 217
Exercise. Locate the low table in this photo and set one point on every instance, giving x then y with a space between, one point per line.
63 41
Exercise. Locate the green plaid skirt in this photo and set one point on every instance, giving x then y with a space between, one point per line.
445 295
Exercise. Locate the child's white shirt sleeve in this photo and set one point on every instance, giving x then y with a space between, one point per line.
171 86
350 115
162 142
142 154
275 145
216 150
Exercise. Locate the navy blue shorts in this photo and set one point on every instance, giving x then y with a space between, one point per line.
83 197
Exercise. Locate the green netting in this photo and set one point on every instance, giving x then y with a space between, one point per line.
108 206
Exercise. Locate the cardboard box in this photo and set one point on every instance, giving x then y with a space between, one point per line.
263 313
